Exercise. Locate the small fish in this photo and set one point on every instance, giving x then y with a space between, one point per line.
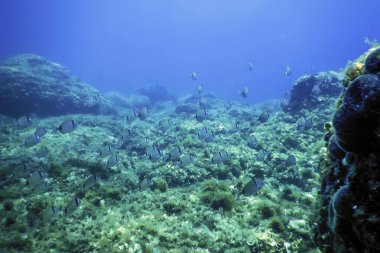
202 115
41 131
288 70
112 160
48 213
145 184
42 152
36 178
105 151
24 122
154 153
144 143
31 141
131 117
124 138
199 89
291 160
244 92
252 142
284 104
227 105
316 91
186 160
67 126
40 188
21 171
250 66
164 124
72 206
219 157
261 155
204 134
90 182
264 116
143 113
203 103
304 124
252 186
175 153
194 76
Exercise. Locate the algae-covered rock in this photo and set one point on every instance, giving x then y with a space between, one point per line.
308 89
31 83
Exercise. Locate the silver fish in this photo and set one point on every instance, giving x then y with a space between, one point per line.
31 141
186 160
41 131
288 70
67 126
252 186
24 122
219 157
112 160
244 92
90 182
175 153
105 151
194 76
72 206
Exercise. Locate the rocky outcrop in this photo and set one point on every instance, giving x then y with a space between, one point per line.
33 84
308 90
349 216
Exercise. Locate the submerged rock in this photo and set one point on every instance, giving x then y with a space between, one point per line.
303 95
31 83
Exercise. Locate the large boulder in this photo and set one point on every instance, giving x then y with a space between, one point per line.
309 89
33 84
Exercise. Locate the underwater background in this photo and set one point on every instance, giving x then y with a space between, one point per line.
189 126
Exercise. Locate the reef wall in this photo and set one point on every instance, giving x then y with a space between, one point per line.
349 214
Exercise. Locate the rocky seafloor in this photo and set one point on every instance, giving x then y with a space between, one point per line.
148 201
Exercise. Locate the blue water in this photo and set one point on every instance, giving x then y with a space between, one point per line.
122 44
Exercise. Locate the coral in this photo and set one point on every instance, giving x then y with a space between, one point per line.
372 62
160 184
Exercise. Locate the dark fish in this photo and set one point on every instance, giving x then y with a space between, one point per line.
143 113
252 142
112 160
227 105
244 92
219 157
131 117
175 153
202 115
67 126
291 160
144 143
125 138
186 160
105 151
250 66
261 155
252 186
304 124
72 206
40 188
24 122
21 171
199 89
48 213
42 152
36 178
145 184
204 134
264 116
90 182
194 76
164 124
154 153
31 141
41 131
